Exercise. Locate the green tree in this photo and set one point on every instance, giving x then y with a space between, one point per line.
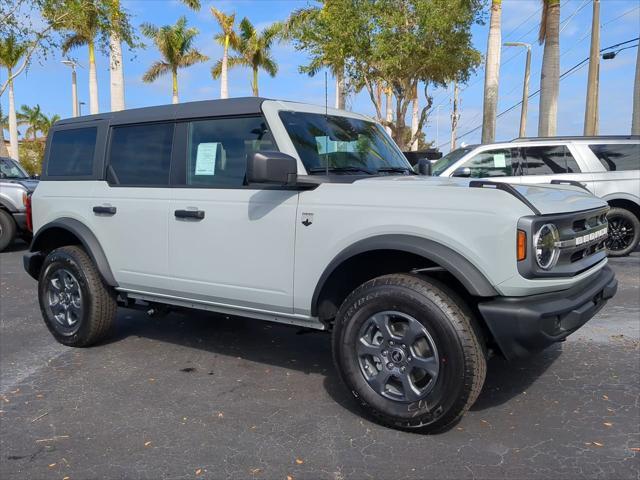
46 123
550 74
175 43
11 51
226 38
32 118
253 50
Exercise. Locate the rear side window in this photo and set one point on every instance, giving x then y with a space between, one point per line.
549 160
140 154
71 152
618 157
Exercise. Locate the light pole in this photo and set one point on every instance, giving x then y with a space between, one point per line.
74 86
80 107
525 86
593 78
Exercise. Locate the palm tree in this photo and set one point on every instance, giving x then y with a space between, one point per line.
46 123
32 117
116 71
550 75
226 38
254 51
175 43
85 25
11 51
491 74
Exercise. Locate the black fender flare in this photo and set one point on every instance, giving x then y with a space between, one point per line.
461 268
87 238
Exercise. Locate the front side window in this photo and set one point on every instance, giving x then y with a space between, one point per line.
492 163
217 149
618 157
342 144
449 159
140 154
71 152
549 160
11 169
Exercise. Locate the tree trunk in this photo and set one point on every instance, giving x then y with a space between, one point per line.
116 72
455 116
224 87
174 78
593 79
340 88
491 74
13 123
415 111
254 84
3 146
389 113
635 121
93 80
550 76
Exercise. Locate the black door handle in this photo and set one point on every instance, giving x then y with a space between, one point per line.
196 214
104 210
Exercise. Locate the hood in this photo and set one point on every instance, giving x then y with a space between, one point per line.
28 183
548 199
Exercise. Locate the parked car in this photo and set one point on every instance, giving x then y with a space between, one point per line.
286 212
15 187
608 166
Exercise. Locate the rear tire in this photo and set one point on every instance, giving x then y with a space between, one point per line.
428 368
7 230
624 232
77 307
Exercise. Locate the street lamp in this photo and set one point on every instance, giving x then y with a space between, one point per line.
80 107
525 86
74 86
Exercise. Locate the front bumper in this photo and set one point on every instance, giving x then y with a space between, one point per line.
524 325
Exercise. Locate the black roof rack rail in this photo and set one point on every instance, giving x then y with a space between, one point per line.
505 187
575 183
577 137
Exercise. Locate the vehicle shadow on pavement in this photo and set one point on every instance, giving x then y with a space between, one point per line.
17 246
306 351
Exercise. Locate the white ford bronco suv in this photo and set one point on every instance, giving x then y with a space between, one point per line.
309 216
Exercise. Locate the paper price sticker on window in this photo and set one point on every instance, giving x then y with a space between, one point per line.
499 160
206 158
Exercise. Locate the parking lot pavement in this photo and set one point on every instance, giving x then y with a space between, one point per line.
203 396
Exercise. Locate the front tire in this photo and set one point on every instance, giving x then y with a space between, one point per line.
7 230
624 232
77 307
407 350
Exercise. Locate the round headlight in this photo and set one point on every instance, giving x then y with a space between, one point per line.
544 241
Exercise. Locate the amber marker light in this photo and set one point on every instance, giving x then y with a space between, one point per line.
522 245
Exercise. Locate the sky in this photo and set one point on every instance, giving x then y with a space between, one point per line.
48 82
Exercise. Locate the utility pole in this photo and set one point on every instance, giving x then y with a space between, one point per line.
525 86
74 86
635 121
591 110
455 116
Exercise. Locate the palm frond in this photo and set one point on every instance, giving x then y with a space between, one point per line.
191 58
247 30
269 65
72 41
192 4
149 30
156 70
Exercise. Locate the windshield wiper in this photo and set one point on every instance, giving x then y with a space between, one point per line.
395 170
340 170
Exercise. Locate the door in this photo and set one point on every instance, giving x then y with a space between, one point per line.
230 244
499 164
130 208
543 163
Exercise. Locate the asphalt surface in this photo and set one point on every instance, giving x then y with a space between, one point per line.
203 396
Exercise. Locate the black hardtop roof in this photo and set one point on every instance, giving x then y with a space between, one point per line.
206 108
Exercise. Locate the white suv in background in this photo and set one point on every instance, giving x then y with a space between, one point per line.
608 166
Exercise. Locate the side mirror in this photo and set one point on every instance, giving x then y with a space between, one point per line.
275 168
35 176
462 172
425 167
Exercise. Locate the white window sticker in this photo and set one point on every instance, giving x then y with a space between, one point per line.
499 160
206 158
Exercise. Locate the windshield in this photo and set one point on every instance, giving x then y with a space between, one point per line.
343 144
11 169
449 159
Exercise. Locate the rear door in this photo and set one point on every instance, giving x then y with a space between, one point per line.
229 244
544 163
130 208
